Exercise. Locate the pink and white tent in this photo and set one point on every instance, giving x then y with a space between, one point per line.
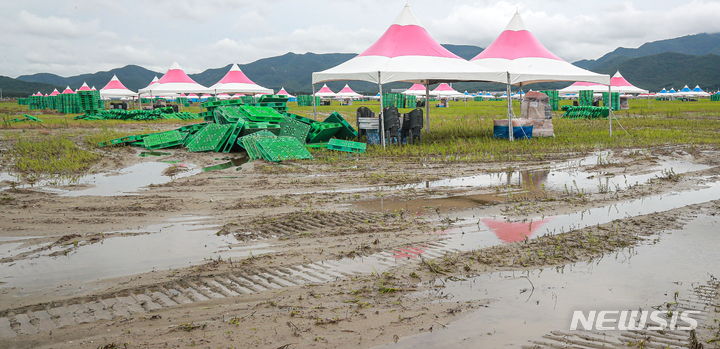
283 92
325 91
67 91
84 87
223 96
415 90
116 89
174 81
55 92
406 52
93 88
236 81
523 59
36 94
347 92
617 82
445 90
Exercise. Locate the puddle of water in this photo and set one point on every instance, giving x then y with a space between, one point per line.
562 177
232 163
146 154
175 244
640 278
122 182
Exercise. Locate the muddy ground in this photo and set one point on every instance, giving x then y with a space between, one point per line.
330 256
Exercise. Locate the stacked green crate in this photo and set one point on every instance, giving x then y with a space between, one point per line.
307 100
89 101
614 102
715 97
586 97
553 98
477 99
22 101
398 100
68 103
35 102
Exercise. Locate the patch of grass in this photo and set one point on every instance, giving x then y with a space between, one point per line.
105 135
52 155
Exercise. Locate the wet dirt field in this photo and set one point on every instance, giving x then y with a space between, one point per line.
175 249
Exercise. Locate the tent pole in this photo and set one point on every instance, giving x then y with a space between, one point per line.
314 104
510 111
427 105
610 111
382 116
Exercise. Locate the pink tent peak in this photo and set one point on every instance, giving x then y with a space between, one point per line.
619 80
93 88
283 92
67 91
407 38
325 89
55 92
513 231
581 83
154 81
175 75
346 89
417 87
114 84
516 42
442 87
84 87
235 76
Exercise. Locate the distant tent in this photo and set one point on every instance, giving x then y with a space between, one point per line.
445 90
685 91
236 81
115 89
93 88
84 87
347 92
699 92
223 96
672 90
415 90
325 91
618 83
67 91
285 93
55 92
174 81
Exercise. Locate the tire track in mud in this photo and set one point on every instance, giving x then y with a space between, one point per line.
705 298
45 317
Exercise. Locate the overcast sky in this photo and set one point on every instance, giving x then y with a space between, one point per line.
71 37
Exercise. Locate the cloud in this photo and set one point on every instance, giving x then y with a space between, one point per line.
85 36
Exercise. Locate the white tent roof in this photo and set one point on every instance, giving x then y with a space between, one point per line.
618 82
347 92
518 53
115 88
284 92
236 81
174 81
406 52
445 90
325 91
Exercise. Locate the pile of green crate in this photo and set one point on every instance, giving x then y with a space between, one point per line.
398 100
715 97
90 102
23 101
68 103
586 98
477 99
553 98
138 115
263 131
307 100
585 112
614 100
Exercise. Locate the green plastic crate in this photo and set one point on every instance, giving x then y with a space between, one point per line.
163 140
208 138
346 146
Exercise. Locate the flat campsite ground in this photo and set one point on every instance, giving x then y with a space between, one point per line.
460 241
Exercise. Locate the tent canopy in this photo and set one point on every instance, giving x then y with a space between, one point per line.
55 92
517 53
84 87
283 92
236 81
445 90
115 88
406 52
174 81
347 92
618 83
415 90
325 91
67 90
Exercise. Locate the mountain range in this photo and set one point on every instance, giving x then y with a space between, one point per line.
692 59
